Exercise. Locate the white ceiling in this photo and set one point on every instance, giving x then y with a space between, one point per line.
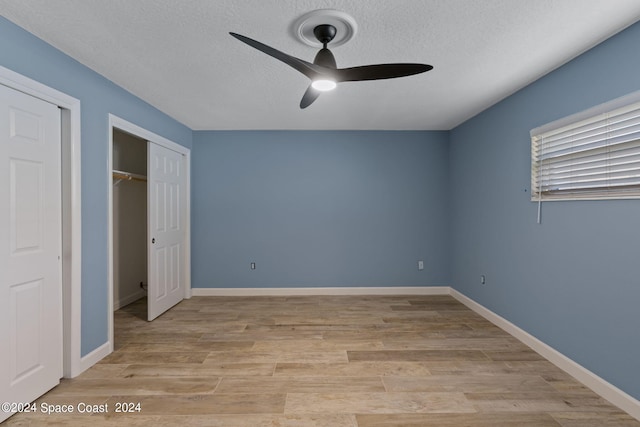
178 56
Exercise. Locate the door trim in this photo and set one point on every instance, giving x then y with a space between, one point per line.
73 363
133 129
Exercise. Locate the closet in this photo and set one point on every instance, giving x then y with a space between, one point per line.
130 250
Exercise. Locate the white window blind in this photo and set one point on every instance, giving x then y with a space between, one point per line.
592 155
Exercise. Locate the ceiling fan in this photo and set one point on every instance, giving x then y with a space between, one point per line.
324 73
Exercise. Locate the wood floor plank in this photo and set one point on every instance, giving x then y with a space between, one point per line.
481 368
106 371
457 420
470 384
134 386
254 332
199 370
300 385
357 369
496 345
594 419
197 346
335 356
377 403
520 354
318 345
158 357
415 355
157 337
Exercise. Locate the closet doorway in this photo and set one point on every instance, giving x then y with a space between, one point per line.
149 225
129 176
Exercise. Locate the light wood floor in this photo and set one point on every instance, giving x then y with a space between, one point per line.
324 362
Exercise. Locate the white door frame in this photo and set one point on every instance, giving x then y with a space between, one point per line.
124 125
73 362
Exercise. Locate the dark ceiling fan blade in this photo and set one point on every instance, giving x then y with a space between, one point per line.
308 69
309 96
379 71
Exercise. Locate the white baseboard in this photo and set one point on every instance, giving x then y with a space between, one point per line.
117 305
603 388
391 290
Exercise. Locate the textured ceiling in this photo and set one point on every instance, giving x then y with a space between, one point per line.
178 56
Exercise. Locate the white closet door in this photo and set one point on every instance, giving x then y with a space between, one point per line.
30 248
167 209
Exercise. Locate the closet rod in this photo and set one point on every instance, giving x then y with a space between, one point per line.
126 176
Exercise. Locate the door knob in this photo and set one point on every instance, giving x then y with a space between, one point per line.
153 240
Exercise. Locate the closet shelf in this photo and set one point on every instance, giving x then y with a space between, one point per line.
127 176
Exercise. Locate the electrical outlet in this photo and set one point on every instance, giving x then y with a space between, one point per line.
253 265
483 279
420 265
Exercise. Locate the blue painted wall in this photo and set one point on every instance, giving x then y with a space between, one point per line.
574 280
319 208
25 54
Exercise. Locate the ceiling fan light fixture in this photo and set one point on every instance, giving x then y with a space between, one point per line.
323 85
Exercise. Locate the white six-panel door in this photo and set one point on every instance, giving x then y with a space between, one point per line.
30 248
166 180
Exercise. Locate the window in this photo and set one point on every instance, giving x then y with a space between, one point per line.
591 155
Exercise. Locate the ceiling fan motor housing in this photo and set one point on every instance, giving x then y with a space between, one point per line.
304 27
324 33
